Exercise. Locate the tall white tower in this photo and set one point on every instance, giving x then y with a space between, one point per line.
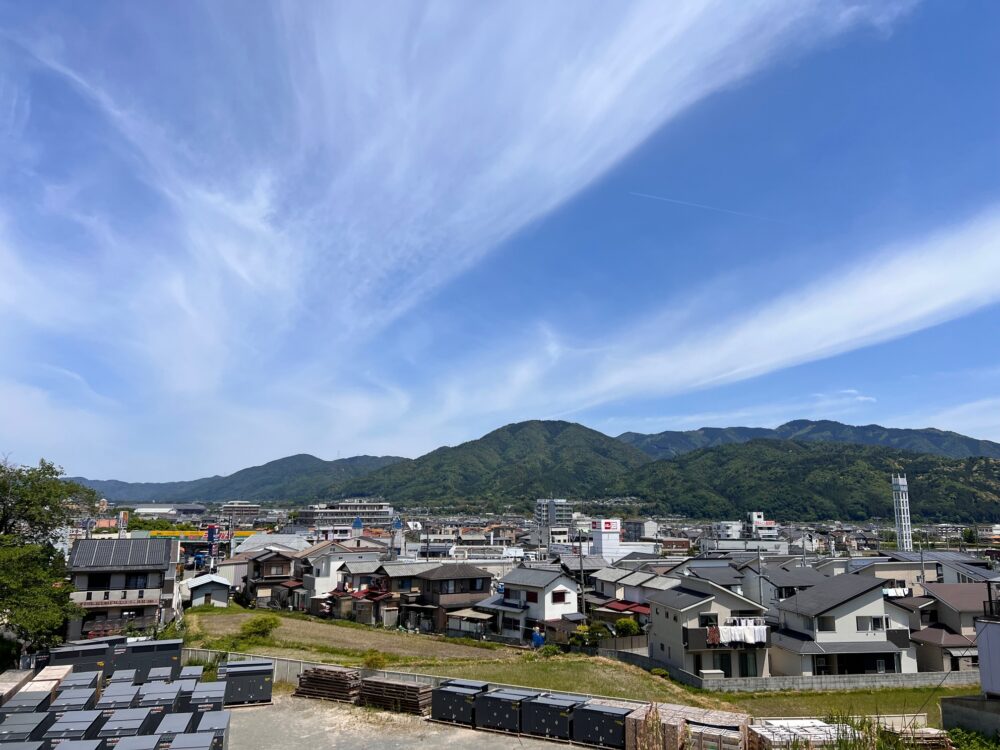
901 505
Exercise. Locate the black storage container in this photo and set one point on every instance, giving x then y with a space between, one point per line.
248 682
128 722
144 655
193 672
127 676
186 690
74 699
160 674
479 687
140 742
161 697
195 741
85 657
174 724
26 702
454 704
548 716
501 709
207 696
74 725
116 697
25 727
215 723
81 680
596 724
23 746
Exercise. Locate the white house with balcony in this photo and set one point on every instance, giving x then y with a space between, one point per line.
843 625
527 598
123 584
708 630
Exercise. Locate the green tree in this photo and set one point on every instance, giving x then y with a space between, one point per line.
626 626
35 505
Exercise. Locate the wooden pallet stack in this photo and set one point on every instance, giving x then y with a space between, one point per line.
788 734
394 695
690 727
924 738
330 684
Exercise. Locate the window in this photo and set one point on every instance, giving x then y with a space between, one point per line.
276 570
558 597
447 587
531 597
661 647
864 624
826 624
135 581
879 623
707 620
405 584
510 623
478 584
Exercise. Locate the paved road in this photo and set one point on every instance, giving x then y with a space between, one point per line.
302 724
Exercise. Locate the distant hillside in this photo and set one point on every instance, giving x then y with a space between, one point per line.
518 462
299 477
804 481
929 440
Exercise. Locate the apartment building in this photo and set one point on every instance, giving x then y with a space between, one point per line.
123 584
373 512
239 514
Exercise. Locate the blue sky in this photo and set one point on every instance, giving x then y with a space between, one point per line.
228 236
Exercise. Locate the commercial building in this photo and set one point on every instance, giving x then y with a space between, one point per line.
239 513
373 512
554 518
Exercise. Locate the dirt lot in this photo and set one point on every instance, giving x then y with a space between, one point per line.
330 635
316 725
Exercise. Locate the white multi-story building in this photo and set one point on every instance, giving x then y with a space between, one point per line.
553 518
373 512
239 513
727 530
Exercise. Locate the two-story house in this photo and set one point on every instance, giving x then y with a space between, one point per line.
268 571
843 625
942 626
443 589
528 597
770 584
320 568
708 630
123 584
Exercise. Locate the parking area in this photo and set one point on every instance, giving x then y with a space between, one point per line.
302 724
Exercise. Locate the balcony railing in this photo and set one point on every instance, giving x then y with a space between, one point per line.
116 598
97 628
696 639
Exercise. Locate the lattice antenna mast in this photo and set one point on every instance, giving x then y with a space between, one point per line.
901 506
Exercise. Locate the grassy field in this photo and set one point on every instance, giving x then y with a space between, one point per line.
347 643
868 702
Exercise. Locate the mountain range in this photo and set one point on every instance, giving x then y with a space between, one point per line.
800 470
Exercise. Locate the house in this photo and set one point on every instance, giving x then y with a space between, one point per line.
267 572
708 630
606 582
444 589
843 625
528 598
289 542
123 584
770 584
209 589
946 638
320 568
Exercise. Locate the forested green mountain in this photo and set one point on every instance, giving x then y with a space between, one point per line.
299 477
793 480
929 440
515 463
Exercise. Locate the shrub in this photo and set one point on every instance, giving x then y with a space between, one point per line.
259 627
626 626
659 672
373 659
549 650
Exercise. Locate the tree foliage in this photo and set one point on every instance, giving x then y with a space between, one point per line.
626 626
35 503
34 593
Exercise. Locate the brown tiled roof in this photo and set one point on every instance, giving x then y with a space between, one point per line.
962 597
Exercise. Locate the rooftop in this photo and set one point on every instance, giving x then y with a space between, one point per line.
830 593
961 597
112 554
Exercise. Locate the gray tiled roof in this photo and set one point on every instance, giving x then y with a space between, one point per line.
678 598
830 593
450 571
291 542
406 569
531 577
635 579
111 554
789 641
723 576
611 574
793 576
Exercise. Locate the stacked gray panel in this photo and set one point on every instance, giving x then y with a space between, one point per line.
27 702
596 724
548 716
145 655
116 697
248 682
173 724
207 696
501 709
161 697
195 741
186 690
128 722
126 676
454 704
74 725
24 746
216 723
81 680
84 657
478 686
25 727
141 742
74 699
194 672
80 745
160 674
